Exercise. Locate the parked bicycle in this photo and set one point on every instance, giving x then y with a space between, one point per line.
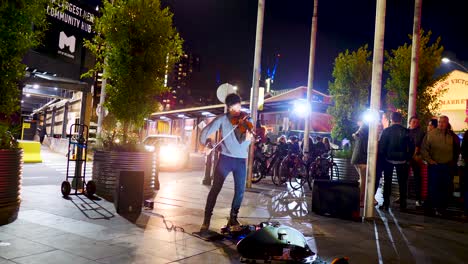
265 164
323 167
292 169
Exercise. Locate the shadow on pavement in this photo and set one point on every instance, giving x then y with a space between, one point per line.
89 207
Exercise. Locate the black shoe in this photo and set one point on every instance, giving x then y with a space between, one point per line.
206 224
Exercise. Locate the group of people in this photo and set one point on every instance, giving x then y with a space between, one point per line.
405 149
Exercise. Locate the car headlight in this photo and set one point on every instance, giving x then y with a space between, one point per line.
149 148
170 154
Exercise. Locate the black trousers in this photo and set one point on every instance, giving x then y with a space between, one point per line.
416 168
402 175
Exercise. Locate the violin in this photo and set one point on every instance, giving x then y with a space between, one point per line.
242 123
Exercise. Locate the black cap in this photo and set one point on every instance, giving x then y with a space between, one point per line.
232 99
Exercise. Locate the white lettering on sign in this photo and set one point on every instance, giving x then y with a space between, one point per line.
64 40
71 14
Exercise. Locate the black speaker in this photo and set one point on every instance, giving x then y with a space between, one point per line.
128 198
336 199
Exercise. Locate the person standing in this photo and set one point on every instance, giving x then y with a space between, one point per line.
359 157
416 135
440 149
394 146
464 182
432 125
234 152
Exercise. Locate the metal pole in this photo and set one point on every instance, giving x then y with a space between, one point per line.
255 84
65 120
413 86
52 124
101 113
377 65
310 80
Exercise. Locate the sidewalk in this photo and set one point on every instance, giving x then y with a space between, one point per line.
51 229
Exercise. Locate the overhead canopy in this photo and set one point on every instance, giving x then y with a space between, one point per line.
280 102
40 89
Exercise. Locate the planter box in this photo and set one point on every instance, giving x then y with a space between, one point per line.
108 164
11 167
346 170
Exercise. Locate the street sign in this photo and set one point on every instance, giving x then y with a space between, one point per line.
223 91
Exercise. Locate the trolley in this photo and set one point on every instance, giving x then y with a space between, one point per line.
77 152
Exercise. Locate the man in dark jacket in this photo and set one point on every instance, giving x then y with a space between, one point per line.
416 135
394 146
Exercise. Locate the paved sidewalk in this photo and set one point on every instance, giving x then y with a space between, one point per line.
51 229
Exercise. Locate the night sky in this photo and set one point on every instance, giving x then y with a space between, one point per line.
222 33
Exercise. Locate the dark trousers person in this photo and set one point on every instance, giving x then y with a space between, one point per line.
439 176
416 169
402 175
226 165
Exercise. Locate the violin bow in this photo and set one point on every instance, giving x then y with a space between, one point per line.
221 141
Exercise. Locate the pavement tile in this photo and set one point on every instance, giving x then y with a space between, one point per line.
137 242
198 243
210 258
6 261
80 246
52 257
19 247
134 258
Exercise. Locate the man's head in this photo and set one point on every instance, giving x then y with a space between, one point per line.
396 118
443 123
385 122
233 103
414 122
432 124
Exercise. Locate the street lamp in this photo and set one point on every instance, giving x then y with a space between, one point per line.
447 60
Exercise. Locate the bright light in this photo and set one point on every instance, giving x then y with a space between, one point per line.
149 148
27 95
370 116
55 88
235 88
169 154
117 140
22 101
181 116
445 60
36 86
301 108
206 113
97 8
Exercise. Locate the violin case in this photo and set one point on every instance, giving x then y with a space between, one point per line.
275 243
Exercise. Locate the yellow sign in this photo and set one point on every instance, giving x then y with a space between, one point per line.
26 125
455 93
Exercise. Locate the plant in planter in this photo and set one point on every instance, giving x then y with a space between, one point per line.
16 38
135 45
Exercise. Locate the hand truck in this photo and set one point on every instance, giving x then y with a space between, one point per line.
78 153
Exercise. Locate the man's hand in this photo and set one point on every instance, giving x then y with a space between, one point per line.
432 162
248 136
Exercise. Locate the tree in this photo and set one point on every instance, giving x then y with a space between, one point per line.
17 36
398 64
352 74
135 44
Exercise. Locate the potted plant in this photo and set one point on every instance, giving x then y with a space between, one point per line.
16 38
135 45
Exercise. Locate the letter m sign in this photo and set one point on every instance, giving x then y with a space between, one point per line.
64 40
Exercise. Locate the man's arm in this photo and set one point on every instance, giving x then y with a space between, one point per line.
425 150
212 127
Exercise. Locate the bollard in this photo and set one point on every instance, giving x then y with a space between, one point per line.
208 166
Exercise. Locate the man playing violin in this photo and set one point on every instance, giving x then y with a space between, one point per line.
234 152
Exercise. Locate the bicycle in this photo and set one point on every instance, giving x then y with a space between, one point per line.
323 167
264 164
292 168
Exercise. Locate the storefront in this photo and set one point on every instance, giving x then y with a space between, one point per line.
454 100
53 91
